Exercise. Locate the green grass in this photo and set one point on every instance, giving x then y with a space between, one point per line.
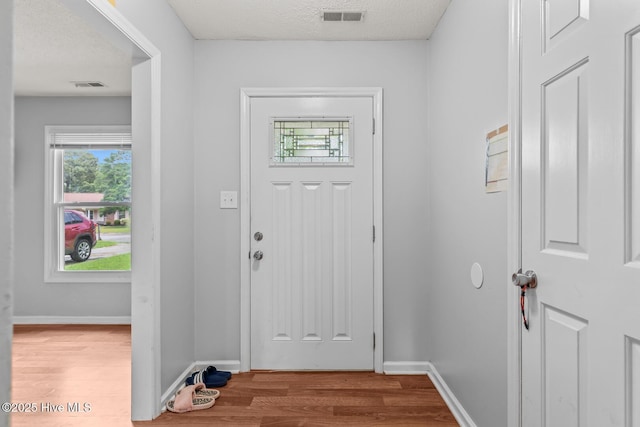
117 262
122 229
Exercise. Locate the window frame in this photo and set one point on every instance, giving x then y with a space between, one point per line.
53 234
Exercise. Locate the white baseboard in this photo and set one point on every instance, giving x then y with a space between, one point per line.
406 368
456 408
71 320
221 365
177 385
232 366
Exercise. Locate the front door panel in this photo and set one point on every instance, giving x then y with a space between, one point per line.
312 202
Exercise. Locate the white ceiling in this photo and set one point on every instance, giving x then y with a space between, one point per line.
301 19
55 48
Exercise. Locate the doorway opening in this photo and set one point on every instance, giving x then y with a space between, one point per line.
145 125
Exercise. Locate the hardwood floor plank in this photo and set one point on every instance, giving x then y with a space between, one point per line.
240 401
346 384
434 411
270 411
412 399
335 400
183 420
348 421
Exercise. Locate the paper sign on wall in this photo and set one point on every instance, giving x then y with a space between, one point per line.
497 161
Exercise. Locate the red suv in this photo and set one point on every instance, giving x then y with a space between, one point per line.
79 235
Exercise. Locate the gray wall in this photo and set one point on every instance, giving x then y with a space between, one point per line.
468 99
33 297
159 24
222 68
6 202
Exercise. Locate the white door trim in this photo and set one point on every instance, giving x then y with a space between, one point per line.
145 271
246 94
514 223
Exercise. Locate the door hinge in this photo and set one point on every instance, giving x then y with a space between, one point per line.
374 125
374 233
374 340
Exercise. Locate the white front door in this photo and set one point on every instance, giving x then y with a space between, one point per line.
581 212
311 233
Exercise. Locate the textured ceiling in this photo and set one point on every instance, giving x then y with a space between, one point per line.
301 19
53 47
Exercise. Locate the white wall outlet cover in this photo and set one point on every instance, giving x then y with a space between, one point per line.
477 275
228 200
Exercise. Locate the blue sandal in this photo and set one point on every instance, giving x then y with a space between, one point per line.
211 370
211 377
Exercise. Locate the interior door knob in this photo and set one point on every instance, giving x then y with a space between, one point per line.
258 255
528 278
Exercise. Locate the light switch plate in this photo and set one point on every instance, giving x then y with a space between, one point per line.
228 200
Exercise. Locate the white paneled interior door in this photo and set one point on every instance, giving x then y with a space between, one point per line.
312 205
581 212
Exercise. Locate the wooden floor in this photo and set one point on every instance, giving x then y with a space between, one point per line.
62 365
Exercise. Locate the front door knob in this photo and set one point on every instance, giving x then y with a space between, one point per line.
258 255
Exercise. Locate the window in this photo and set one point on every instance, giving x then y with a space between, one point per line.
88 203
311 141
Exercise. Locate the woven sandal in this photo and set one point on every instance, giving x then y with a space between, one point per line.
208 392
187 400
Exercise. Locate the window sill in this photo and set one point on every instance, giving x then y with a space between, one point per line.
88 277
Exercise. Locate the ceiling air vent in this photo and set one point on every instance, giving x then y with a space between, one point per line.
337 16
88 84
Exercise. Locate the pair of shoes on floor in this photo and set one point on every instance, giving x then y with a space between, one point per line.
192 398
210 376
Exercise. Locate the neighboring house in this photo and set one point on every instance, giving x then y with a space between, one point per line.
119 215
94 213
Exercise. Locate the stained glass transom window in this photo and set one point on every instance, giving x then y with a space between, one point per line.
312 141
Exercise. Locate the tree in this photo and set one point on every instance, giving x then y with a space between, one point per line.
114 177
80 171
